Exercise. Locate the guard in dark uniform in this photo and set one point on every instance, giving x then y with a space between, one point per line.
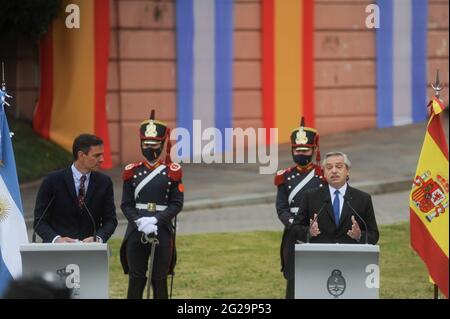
292 183
152 197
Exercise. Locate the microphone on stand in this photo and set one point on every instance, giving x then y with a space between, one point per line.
92 218
33 237
347 199
308 235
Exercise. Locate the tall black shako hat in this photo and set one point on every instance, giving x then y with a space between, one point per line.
304 138
155 132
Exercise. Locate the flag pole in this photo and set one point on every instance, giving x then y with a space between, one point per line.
437 87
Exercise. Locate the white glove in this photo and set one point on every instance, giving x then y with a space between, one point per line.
144 221
149 229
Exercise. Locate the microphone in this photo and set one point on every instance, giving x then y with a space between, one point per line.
308 235
92 219
33 237
347 199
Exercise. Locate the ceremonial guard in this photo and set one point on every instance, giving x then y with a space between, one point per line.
292 183
152 197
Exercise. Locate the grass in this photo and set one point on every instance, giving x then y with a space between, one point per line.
35 156
246 265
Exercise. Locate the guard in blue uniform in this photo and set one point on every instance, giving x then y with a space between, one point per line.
292 183
152 197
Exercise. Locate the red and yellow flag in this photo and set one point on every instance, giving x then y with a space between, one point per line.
429 202
74 65
288 65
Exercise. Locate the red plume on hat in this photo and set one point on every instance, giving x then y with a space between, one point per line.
168 147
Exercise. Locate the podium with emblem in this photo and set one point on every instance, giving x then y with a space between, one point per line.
337 271
82 267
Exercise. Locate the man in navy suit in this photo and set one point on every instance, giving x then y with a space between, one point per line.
77 203
337 212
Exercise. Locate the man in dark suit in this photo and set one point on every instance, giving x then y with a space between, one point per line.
336 213
77 203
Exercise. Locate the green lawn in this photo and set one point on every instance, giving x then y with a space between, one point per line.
35 157
246 265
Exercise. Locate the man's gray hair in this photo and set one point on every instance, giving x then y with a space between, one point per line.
344 156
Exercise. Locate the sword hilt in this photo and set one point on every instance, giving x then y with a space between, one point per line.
149 239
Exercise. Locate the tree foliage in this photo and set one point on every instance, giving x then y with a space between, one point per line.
29 18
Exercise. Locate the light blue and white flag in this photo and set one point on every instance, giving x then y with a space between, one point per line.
401 43
13 231
205 64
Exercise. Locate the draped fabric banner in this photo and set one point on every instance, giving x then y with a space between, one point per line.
288 65
205 64
429 202
74 65
401 53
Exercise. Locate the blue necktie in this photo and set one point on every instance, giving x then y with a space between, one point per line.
336 204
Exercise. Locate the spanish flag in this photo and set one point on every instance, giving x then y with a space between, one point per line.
429 202
74 65
287 65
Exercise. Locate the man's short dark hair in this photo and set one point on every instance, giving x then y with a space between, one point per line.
84 142
36 287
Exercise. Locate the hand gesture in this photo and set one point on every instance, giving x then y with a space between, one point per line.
314 227
355 232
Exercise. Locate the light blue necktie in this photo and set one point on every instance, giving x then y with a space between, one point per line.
336 204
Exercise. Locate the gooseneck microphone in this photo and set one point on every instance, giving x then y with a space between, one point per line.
308 234
92 219
347 199
33 237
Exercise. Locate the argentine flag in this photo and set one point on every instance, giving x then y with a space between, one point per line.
13 232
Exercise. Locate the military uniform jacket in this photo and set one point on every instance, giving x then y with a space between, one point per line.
292 183
151 191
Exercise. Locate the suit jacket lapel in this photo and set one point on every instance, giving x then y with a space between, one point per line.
91 187
326 197
346 211
68 177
